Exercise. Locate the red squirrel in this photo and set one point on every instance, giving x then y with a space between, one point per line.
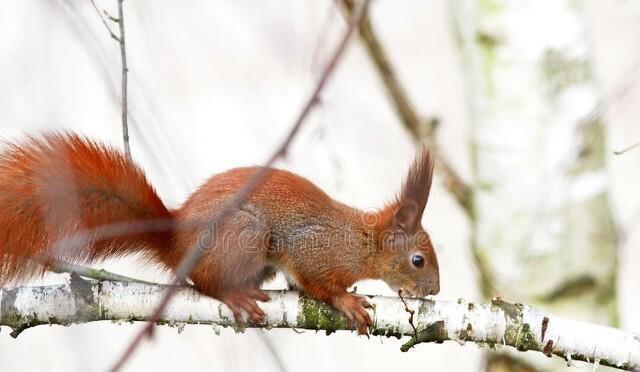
57 185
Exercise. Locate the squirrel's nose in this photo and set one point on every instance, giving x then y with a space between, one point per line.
435 289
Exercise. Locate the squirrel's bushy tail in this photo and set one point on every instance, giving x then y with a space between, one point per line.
67 198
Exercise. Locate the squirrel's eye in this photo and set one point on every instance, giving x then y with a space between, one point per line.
417 260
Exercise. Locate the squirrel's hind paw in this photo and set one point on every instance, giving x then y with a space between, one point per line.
246 300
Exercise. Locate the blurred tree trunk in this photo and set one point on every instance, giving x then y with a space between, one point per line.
543 230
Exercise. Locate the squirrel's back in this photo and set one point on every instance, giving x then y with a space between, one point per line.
285 200
281 192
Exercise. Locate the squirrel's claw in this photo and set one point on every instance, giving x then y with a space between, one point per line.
354 309
246 300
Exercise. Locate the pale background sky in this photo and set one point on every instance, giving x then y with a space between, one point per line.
217 84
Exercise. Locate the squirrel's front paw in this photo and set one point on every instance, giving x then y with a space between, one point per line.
354 308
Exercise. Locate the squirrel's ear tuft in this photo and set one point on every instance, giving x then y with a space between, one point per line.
415 193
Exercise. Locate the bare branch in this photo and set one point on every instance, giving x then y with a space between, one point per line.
125 72
111 33
411 314
419 129
109 16
195 252
626 149
87 272
497 324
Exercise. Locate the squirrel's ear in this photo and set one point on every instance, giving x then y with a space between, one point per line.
406 217
415 193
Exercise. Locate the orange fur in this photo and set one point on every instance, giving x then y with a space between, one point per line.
56 186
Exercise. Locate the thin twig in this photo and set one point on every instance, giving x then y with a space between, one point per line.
195 252
626 149
61 267
411 314
419 129
111 18
125 72
111 33
125 69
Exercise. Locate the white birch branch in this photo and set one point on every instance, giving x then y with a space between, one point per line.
496 323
